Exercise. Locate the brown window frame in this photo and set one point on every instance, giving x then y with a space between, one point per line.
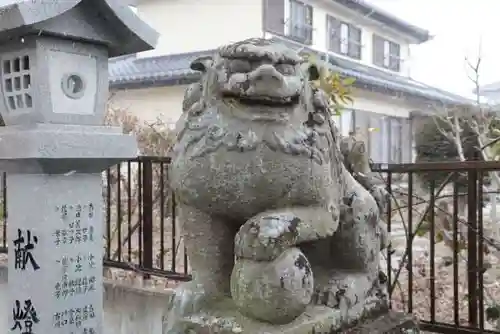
354 46
300 30
391 61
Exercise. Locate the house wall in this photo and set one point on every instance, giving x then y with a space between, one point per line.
218 22
193 25
165 102
368 108
149 104
322 8
385 123
382 104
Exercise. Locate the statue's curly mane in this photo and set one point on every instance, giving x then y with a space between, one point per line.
298 136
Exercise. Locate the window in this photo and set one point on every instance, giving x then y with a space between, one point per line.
396 140
344 122
343 38
300 22
386 54
274 16
386 140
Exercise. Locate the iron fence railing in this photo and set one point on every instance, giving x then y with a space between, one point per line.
141 229
443 202
142 234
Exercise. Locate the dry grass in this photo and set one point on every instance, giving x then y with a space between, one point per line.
443 281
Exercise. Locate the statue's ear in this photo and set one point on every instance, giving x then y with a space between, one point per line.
313 72
201 64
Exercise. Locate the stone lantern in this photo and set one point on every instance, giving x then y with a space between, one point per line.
54 90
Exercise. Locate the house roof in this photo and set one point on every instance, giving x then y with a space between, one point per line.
383 16
131 72
490 88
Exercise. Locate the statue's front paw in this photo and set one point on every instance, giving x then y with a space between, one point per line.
265 237
276 291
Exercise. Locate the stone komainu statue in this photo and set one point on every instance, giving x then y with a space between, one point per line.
272 219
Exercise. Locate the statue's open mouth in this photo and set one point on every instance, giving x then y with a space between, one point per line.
268 101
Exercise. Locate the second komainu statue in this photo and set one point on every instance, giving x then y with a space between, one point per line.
281 235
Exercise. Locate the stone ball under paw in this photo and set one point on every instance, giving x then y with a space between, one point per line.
277 291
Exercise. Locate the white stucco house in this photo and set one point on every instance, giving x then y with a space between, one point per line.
358 40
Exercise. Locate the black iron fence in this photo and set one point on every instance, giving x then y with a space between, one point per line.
447 292
141 232
442 204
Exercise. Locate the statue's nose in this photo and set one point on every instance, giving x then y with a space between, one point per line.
266 72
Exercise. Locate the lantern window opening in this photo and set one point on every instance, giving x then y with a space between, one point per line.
16 79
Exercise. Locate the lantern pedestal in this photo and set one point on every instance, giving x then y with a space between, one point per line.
55 219
59 149
53 99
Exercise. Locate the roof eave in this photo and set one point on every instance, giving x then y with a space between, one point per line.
418 34
488 89
144 83
423 38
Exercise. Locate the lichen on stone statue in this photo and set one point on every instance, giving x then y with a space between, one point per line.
273 220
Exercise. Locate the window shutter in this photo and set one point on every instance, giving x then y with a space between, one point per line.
354 50
362 120
274 16
377 139
394 49
378 50
333 34
309 24
395 52
396 142
406 141
362 123
300 22
385 132
347 121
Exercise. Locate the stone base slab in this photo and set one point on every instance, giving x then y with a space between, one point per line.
223 318
390 323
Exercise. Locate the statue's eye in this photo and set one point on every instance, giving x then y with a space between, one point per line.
286 69
239 66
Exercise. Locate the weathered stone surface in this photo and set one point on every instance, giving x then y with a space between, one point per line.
223 318
277 291
260 178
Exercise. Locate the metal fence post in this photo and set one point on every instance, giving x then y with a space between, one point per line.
147 215
472 246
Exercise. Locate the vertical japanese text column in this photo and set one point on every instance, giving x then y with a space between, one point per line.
55 243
